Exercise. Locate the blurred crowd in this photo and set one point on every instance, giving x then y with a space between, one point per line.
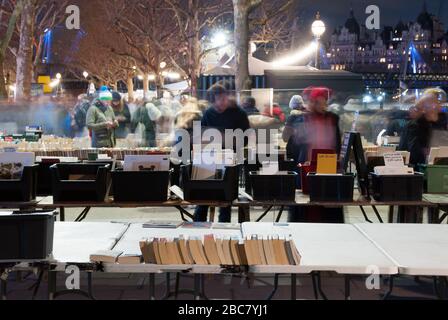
310 119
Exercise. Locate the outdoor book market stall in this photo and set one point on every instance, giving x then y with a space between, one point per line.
248 249
392 250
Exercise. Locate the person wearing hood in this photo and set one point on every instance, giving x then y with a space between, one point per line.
101 121
297 106
122 114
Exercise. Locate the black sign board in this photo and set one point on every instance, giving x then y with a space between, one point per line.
352 141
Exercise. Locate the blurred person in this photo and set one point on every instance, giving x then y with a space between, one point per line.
317 128
297 106
418 134
276 112
100 120
249 105
80 115
122 115
144 123
223 114
189 113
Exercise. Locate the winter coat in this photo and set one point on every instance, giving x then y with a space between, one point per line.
96 120
123 129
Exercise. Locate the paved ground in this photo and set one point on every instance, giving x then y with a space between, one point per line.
135 287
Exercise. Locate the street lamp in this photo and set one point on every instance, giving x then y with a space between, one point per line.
318 29
219 39
58 76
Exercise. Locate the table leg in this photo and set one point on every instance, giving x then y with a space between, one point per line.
434 215
391 288
365 214
264 214
274 291
90 285
347 288
62 214
377 214
197 287
152 287
3 279
440 287
318 283
212 214
51 284
279 216
243 214
83 215
391 214
294 287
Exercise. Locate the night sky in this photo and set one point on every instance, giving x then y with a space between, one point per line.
335 12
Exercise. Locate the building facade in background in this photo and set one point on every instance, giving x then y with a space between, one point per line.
419 47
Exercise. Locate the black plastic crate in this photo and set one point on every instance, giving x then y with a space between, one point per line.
94 188
278 187
140 186
397 187
44 186
26 236
23 190
331 188
225 189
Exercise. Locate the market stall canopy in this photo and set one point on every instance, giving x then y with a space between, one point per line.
257 67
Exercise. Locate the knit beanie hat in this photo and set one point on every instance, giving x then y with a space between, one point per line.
105 94
296 103
116 96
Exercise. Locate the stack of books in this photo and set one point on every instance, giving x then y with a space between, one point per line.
231 251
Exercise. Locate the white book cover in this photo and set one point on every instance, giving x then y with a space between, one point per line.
146 163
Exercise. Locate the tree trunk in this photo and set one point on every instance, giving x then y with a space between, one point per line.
25 53
130 85
145 85
195 52
242 9
3 83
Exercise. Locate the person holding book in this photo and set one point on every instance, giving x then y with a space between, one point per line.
315 129
223 114
101 121
122 114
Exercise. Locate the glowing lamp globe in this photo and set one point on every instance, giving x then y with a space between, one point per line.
318 27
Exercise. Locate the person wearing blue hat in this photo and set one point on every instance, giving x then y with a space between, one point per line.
101 121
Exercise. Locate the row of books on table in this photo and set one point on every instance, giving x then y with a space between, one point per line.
211 250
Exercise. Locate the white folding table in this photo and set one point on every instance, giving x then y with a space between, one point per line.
417 249
130 244
339 248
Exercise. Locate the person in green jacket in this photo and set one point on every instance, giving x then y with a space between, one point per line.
101 121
